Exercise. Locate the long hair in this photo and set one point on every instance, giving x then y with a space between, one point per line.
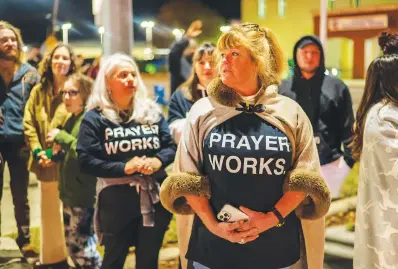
381 85
144 110
45 69
191 85
263 47
17 32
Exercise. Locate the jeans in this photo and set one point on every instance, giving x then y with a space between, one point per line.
16 155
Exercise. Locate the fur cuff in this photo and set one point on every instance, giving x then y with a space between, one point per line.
317 203
175 186
222 93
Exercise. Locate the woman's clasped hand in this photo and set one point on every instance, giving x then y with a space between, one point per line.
245 231
143 165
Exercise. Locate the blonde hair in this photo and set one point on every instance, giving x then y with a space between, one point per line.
17 32
263 47
145 111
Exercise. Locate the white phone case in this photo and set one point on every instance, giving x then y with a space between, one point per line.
231 214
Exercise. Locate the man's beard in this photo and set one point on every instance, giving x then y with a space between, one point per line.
8 56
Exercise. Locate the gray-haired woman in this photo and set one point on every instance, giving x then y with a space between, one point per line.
125 142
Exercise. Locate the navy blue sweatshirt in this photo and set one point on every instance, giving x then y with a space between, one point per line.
179 106
104 146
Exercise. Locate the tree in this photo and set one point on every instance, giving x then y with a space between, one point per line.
180 14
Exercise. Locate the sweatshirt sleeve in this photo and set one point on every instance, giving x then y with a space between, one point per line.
176 52
176 116
168 148
346 122
89 152
29 119
67 141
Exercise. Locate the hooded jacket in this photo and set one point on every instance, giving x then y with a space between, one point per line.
243 181
327 102
13 100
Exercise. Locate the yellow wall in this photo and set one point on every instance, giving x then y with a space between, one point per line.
296 22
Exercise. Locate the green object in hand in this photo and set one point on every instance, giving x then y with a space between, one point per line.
49 153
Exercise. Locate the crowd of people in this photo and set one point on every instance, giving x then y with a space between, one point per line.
241 140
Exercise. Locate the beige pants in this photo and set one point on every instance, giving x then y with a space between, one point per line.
52 239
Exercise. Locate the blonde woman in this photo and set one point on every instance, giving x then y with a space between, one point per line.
125 142
249 148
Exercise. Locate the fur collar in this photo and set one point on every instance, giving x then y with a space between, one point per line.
229 97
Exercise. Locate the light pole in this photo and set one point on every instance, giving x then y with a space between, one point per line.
178 33
65 27
101 31
148 25
225 28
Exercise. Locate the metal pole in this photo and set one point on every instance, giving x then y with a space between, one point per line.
148 33
323 28
55 15
117 19
65 36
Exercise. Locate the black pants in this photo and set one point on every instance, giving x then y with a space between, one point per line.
16 156
147 242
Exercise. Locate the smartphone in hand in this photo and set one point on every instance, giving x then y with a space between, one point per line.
231 214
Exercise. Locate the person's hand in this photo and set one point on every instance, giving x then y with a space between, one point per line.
51 135
258 222
44 161
134 165
56 148
194 29
150 166
233 232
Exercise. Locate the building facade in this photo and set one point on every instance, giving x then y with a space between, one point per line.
353 27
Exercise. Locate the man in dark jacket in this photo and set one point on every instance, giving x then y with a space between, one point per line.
180 57
327 102
16 82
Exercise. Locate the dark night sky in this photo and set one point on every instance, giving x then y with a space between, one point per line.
29 15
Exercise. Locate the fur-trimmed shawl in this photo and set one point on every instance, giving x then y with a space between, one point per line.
286 115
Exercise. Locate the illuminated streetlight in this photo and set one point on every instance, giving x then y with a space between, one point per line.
178 33
25 48
65 27
225 28
101 31
148 25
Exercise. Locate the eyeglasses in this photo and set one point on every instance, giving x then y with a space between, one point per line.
253 26
71 93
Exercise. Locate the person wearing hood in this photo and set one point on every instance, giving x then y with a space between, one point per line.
16 82
327 102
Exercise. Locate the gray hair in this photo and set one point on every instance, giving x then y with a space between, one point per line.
145 110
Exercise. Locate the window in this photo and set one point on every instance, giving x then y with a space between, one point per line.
281 8
262 7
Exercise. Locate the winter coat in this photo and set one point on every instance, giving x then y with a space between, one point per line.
327 102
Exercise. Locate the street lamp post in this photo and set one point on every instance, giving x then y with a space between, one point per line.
101 31
178 33
65 28
148 25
